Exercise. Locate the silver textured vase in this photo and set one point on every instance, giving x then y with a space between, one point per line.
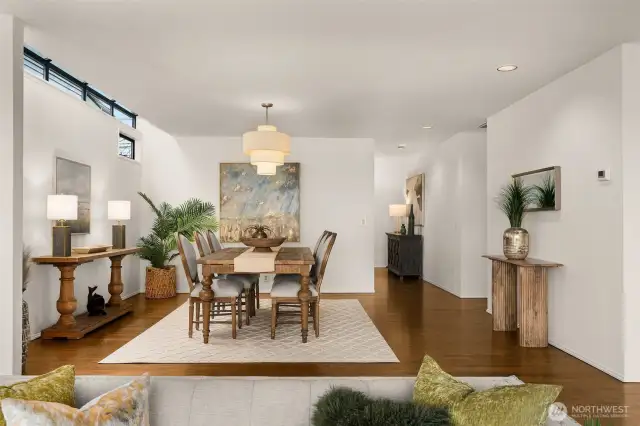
515 243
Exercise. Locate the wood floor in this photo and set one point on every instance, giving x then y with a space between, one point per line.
415 318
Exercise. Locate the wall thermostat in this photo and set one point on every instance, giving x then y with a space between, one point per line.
604 175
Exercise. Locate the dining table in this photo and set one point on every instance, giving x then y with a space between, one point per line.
288 260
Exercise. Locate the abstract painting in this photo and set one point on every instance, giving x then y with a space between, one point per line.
74 178
414 194
247 198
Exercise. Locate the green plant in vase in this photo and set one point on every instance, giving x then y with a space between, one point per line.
545 194
160 246
258 231
513 201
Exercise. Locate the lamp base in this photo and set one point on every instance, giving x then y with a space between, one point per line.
61 241
118 237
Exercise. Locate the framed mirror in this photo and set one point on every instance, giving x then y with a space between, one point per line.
546 188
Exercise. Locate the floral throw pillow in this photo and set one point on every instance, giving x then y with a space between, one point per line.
127 405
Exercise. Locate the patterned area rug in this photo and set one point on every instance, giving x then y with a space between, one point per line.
346 335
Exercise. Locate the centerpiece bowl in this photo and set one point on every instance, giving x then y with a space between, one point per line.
263 245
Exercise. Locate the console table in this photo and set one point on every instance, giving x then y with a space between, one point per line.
533 298
404 254
68 326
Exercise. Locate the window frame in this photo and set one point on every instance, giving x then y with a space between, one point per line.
87 90
133 146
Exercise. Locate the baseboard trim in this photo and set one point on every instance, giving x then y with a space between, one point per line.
130 295
588 361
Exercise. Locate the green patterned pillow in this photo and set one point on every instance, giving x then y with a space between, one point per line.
55 386
523 405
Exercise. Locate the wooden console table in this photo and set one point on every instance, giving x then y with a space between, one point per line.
68 326
533 298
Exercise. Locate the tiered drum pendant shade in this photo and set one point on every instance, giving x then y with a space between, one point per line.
266 146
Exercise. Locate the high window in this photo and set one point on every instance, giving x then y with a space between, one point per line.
41 67
127 147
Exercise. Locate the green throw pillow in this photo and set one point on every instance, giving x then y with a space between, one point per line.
55 386
347 407
522 405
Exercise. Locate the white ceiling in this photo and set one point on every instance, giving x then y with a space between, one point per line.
342 68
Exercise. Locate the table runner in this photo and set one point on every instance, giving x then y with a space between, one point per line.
255 262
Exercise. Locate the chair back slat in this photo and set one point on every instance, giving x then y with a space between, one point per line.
322 237
202 243
323 258
188 257
319 244
214 243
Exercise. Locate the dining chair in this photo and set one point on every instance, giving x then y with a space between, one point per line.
284 293
288 277
247 281
225 291
254 279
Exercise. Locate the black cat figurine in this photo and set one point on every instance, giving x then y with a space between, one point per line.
95 303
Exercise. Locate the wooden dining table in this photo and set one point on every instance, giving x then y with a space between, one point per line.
289 260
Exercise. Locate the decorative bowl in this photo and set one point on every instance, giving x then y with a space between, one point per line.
263 245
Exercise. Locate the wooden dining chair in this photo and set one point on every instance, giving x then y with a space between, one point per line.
254 279
225 291
284 293
287 277
247 281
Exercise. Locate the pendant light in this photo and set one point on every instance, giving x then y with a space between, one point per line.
266 146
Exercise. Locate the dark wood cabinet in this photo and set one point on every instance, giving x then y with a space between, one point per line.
404 254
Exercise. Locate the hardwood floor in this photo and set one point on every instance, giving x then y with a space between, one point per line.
413 317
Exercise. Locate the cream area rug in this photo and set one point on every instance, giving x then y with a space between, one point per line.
346 335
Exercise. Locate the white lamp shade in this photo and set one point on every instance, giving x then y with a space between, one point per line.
266 169
62 207
266 138
119 210
397 210
263 156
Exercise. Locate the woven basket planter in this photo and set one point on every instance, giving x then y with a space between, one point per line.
160 283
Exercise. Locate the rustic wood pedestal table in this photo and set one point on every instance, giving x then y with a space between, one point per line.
533 298
289 260
68 326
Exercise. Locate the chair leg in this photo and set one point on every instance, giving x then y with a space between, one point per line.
197 316
258 294
233 319
248 301
274 318
239 303
316 318
190 319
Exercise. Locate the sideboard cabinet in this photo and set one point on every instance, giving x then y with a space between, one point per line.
404 254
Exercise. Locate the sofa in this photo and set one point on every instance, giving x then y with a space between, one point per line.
252 401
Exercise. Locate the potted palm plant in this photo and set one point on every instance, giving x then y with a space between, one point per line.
513 201
160 246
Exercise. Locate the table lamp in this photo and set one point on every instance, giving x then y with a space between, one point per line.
398 211
118 210
60 208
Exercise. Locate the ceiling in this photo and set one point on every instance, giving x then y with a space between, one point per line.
343 68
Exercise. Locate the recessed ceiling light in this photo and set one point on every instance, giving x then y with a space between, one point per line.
402 146
427 127
507 68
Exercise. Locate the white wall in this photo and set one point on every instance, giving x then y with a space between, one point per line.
337 193
631 209
455 214
11 146
390 176
574 123
57 124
